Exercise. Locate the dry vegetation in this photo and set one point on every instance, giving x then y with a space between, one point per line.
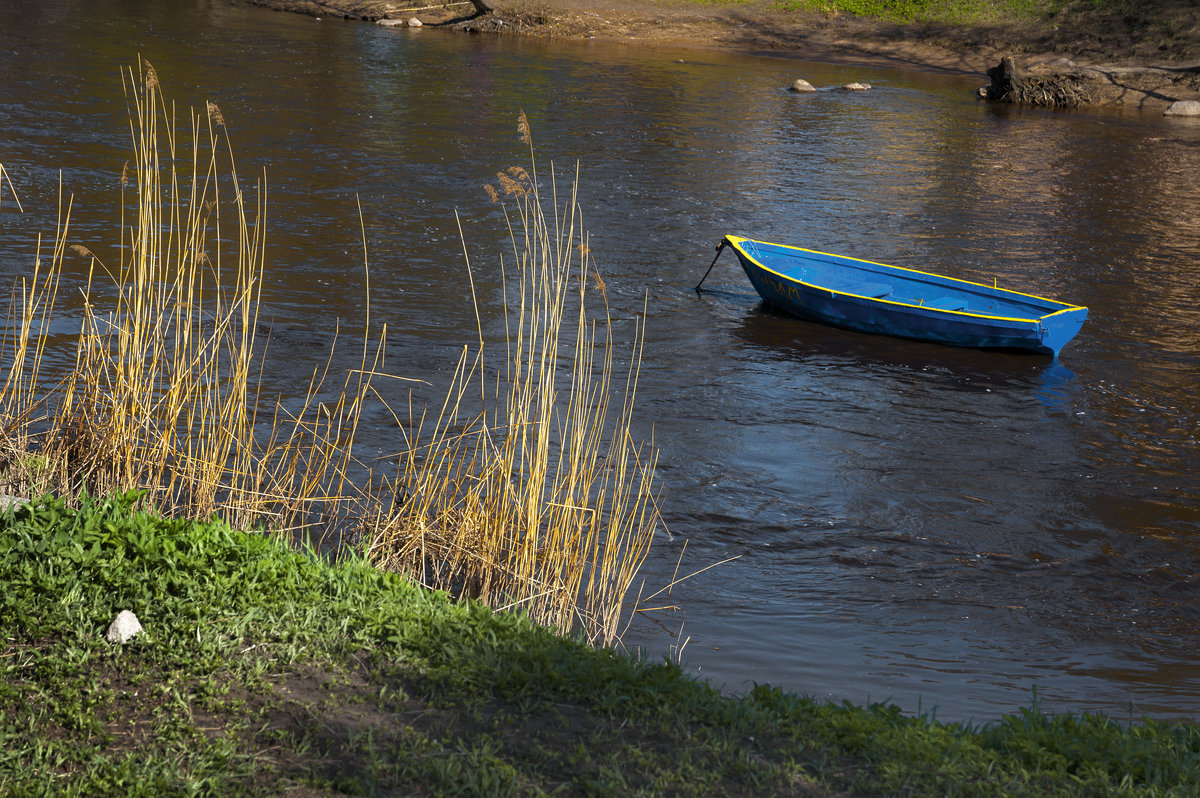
542 500
530 496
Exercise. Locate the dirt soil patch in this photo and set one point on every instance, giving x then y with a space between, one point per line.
1144 61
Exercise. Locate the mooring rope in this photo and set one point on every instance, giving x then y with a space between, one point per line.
720 249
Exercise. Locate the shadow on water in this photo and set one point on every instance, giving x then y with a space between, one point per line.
774 333
765 333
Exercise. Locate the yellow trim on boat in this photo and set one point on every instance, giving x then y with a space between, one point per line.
735 241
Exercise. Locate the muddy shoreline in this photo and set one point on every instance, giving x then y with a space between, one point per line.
1098 65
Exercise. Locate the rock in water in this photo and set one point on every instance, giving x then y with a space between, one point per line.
856 86
1183 108
801 85
123 627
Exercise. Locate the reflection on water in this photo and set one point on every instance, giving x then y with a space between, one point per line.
935 526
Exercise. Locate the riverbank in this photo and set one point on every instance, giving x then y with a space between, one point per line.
263 671
1146 60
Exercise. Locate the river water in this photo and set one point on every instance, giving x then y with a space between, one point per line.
946 529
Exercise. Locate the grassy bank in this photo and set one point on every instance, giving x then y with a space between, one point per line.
267 671
1165 21
1104 30
954 11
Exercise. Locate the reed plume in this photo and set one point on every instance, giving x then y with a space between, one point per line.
214 114
523 129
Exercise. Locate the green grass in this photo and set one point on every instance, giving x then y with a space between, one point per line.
264 670
973 12
949 11
1110 30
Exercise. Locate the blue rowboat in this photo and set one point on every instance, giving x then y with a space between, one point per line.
890 300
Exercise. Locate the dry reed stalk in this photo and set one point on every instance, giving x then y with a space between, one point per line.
4 176
540 501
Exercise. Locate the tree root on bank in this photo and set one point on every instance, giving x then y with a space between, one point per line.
1060 90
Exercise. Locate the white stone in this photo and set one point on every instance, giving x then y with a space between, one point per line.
123 627
857 86
390 23
801 85
414 23
14 502
1183 108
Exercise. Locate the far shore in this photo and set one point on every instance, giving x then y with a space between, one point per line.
1109 67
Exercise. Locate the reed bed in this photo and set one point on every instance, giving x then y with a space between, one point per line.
162 396
523 489
539 498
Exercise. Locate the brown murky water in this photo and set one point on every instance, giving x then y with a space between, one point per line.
936 527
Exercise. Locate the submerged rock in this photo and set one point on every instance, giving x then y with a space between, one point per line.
123 628
856 86
801 85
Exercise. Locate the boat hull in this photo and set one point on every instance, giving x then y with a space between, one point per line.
837 290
